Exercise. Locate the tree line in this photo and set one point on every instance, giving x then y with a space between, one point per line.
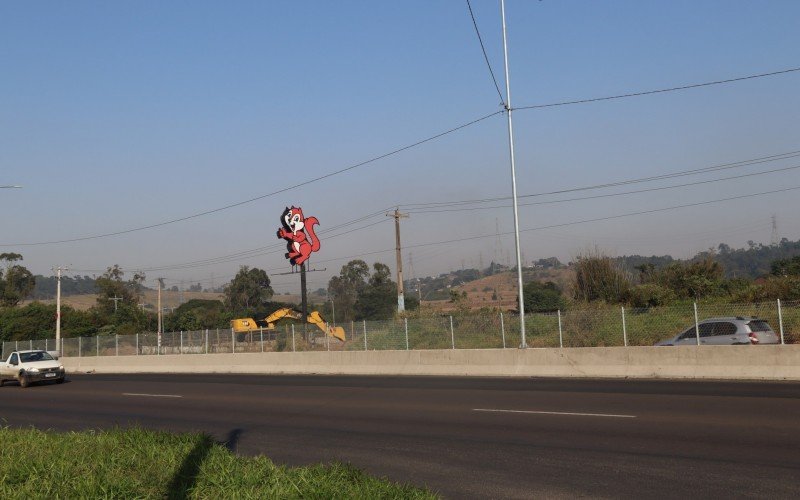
355 294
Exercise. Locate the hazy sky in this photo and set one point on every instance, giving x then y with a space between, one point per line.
119 115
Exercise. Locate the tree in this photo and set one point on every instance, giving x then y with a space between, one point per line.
345 289
692 280
378 300
198 314
542 297
111 285
786 267
248 291
117 310
16 282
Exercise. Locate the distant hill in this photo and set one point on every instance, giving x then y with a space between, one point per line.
45 287
752 262
496 286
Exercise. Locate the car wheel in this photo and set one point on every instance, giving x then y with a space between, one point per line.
2 381
24 381
60 381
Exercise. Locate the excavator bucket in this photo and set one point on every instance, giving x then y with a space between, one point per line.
336 331
315 319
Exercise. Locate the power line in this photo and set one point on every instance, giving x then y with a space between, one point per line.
261 197
610 195
703 170
485 57
227 259
391 153
438 207
600 219
255 252
553 226
659 91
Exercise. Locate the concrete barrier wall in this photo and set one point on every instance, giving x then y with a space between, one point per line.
781 362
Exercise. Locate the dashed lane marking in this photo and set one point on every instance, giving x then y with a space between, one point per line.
152 395
555 413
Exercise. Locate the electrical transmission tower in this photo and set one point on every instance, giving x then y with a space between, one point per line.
775 238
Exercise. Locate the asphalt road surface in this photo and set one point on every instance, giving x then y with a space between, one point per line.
466 437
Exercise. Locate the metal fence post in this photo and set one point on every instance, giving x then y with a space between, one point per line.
116 344
206 340
137 344
233 342
452 333
80 348
293 350
624 330
365 334
780 320
45 345
181 351
98 345
327 338
696 324
503 329
261 331
31 341
405 320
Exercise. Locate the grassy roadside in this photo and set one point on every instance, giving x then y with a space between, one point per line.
138 463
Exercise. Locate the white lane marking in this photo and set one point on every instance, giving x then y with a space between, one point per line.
152 395
555 413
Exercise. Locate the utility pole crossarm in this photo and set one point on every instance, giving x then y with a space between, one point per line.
401 304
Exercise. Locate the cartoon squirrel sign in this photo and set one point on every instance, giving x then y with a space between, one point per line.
298 231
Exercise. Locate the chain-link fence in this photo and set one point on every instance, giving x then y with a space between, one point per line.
584 327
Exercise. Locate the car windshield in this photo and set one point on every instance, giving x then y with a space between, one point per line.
758 325
28 357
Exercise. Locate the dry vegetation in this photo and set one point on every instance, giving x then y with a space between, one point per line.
499 290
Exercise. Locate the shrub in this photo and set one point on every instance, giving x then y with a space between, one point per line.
598 277
650 295
543 297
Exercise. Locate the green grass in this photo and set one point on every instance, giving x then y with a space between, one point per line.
138 463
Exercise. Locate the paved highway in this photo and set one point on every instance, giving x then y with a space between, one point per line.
463 437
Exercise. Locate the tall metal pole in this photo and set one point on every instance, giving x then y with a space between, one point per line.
509 109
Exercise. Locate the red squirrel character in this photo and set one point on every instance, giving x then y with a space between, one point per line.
294 231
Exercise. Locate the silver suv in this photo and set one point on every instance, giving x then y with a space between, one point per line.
732 330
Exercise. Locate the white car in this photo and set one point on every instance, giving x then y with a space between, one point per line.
28 367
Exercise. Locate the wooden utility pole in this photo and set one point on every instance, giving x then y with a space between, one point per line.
401 302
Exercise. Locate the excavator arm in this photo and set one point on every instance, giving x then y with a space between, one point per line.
244 325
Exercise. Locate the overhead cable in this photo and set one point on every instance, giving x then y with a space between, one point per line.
609 195
659 91
485 56
261 197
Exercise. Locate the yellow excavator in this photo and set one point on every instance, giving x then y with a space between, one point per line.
247 325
